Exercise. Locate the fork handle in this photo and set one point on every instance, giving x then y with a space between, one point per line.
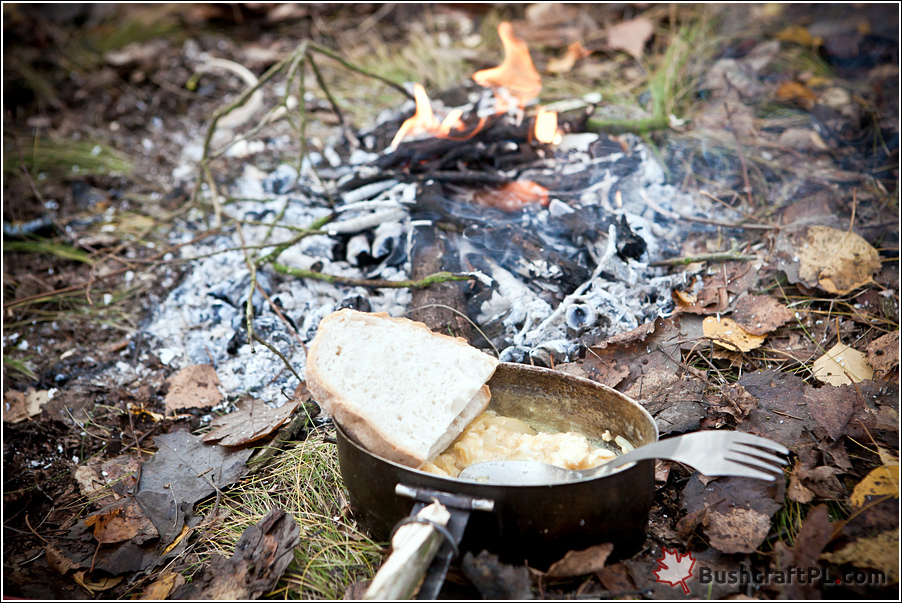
649 451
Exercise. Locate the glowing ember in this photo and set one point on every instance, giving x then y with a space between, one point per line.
546 127
424 121
513 196
516 73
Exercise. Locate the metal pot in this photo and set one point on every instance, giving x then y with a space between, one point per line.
534 524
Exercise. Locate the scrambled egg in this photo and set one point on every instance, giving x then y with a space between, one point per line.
494 438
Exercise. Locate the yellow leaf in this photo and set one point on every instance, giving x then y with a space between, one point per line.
727 333
882 481
842 365
880 552
800 35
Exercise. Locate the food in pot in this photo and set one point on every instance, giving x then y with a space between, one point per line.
496 438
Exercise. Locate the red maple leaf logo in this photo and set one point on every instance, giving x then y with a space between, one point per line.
674 569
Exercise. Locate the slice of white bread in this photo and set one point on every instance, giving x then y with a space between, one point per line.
402 391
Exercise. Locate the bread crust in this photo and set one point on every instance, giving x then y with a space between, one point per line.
353 416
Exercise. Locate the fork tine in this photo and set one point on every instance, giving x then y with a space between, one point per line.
740 469
751 461
753 440
756 452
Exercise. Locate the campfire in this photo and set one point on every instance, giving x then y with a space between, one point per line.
552 228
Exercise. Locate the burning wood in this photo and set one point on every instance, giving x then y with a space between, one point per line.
424 121
513 83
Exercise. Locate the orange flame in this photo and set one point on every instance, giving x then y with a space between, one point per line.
516 73
424 120
546 126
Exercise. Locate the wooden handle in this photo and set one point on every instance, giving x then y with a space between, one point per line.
413 547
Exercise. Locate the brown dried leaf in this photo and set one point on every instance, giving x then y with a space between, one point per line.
726 333
96 586
193 387
631 36
883 355
160 588
124 521
579 563
655 344
252 421
816 532
105 483
736 511
842 365
836 261
18 406
760 314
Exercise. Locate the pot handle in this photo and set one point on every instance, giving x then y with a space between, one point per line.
435 544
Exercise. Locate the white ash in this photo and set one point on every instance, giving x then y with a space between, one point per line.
203 319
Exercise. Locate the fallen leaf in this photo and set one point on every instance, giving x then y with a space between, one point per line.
802 139
193 387
71 406
580 563
727 333
782 412
834 260
631 36
566 62
797 93
760 314
160 588
106 482
96 586
261 556
809 543
18 406
842 365
252 421
58 560
880 552
495 580
675 401
123 521
182 472
639 351
799 35
882 481
883 355
736 512
729 77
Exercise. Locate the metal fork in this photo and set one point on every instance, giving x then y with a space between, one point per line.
710 452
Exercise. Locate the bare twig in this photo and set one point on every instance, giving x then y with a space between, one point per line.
438 277
353 144
348 65
272 349
724 256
